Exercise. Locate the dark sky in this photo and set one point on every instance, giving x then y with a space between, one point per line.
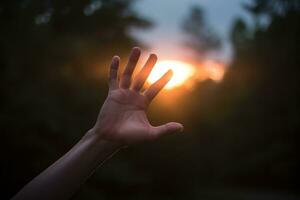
166 37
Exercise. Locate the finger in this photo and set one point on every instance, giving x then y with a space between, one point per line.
144 73
113 73
171 127
126 76
154 89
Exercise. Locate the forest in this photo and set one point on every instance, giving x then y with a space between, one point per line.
241 135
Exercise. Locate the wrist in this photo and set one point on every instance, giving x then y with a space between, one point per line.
100 141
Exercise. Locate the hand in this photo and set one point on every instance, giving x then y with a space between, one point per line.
123 116
121 121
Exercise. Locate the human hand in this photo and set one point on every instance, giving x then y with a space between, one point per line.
121 121
123 116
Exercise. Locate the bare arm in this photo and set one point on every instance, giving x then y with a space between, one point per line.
121 121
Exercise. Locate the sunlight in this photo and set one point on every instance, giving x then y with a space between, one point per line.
182 72
215 71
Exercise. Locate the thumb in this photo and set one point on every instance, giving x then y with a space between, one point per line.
167 128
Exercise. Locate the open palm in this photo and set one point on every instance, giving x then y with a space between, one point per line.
123 115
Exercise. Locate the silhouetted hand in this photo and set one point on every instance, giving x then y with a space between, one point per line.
123 115
121 121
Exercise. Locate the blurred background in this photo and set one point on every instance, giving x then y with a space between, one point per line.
240 103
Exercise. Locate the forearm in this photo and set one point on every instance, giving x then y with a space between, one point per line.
64 177
121 118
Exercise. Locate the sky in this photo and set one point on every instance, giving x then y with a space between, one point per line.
166 37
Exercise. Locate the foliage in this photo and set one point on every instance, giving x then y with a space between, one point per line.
52 55
261 94
272 8
200 36
241 136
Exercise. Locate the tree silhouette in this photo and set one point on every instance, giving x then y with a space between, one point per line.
240 133
53 54
262 98
200 37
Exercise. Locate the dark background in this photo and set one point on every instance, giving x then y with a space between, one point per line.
241 135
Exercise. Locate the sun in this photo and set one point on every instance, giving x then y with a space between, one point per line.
181 72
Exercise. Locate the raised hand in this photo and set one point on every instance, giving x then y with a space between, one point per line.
123 115
121 121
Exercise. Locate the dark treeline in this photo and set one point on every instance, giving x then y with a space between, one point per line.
260 95
241 135
52 56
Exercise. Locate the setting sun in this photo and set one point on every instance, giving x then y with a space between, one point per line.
182 71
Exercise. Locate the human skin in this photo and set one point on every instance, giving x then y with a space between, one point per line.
122 121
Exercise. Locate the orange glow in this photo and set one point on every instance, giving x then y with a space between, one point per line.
187 75
181 72
214 71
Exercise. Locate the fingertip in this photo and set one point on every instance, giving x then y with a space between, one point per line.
136 50
135 55
170 71
175 127
136 47
115 62
116 58
169 74
153 56
181 128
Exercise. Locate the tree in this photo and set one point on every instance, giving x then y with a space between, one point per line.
200 37
272 8
239 33
52 56
260 91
